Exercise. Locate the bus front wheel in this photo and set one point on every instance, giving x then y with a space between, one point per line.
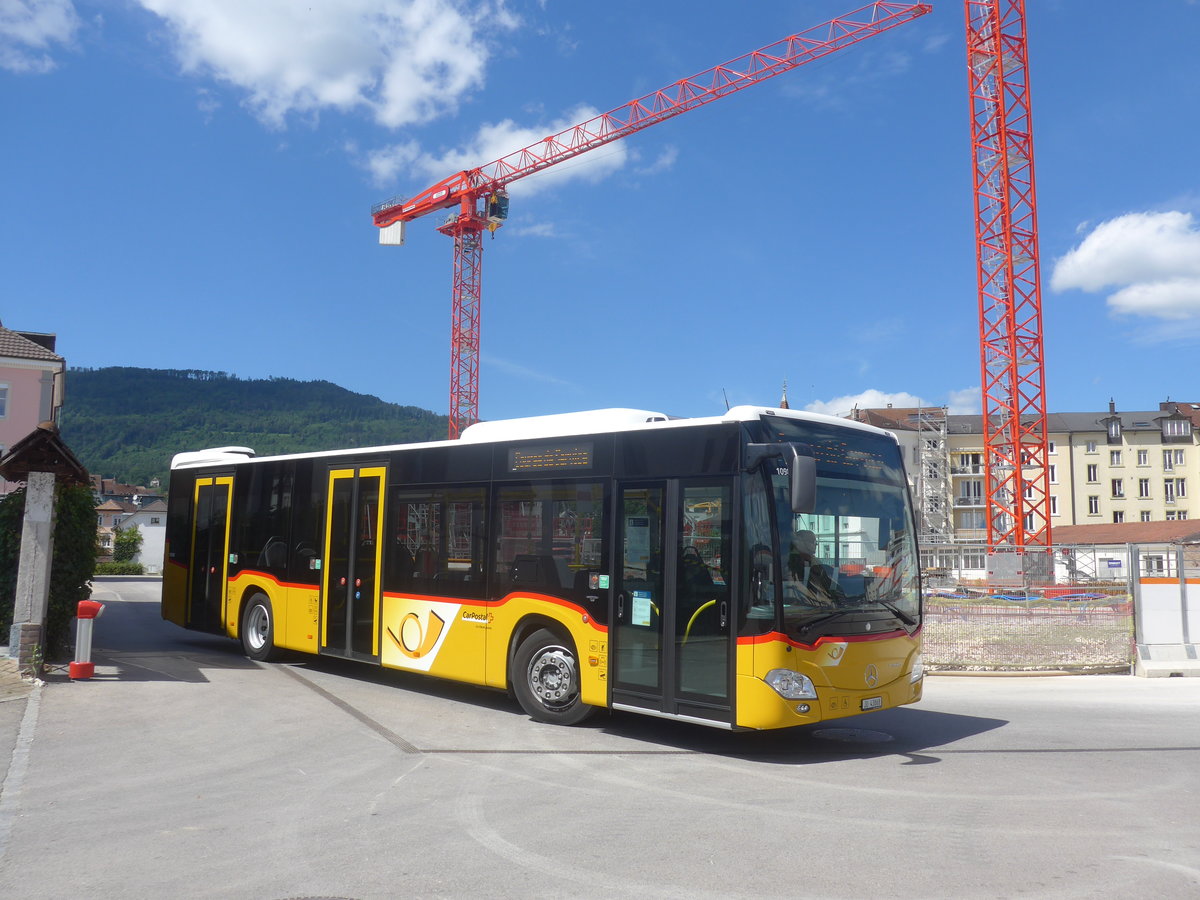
546 679
258 629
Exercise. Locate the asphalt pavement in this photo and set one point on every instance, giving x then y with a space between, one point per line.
185 770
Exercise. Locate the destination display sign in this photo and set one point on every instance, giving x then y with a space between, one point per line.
551 457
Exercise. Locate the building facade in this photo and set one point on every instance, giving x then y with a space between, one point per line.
31 386
1106 467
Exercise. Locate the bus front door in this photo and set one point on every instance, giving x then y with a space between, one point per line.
672 613
209 563
350 571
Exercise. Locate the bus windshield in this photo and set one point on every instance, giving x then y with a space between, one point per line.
850 566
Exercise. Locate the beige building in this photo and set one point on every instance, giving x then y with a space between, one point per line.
1105 467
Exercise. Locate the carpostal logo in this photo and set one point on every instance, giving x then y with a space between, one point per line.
470 615
417 632
416 639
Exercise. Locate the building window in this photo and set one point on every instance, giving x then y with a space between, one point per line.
1053 505
3 400
1093 505
1180 487
1114 430
1054 474
1179 458
1145 515
1050 448
1143 457
1114 457
1118 487
1176 428
1118 517
1091 446
154 520
1093 473
1144 488
1168 460
1169 490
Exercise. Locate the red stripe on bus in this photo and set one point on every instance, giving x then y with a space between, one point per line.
773 636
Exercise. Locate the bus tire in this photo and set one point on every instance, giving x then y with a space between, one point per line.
258 629
546 679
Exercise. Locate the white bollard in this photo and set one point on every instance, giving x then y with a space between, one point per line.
85 615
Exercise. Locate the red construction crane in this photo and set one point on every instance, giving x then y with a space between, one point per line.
1010 300
478 194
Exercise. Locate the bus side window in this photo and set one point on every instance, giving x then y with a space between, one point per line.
550 538
434 541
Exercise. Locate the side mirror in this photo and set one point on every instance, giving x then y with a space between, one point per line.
802 470
804 481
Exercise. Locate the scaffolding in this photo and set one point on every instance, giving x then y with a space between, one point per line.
934 499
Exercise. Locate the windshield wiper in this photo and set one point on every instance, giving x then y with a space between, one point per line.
825 618
897 612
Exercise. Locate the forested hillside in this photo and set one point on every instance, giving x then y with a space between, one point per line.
127 423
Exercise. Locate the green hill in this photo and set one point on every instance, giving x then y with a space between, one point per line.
127 423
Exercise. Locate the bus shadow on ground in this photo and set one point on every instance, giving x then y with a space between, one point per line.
903 733
908 733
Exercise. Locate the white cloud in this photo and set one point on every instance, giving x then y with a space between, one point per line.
666 160
868 399
966 402
28 28
538 229
493 141
1154 258
405 61
959 402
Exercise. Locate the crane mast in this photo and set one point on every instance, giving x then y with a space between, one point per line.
1010 304
478 193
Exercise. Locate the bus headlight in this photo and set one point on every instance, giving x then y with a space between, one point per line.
918 668
791 685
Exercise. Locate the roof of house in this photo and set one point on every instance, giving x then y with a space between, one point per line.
15 344
116 488
43 450
1184 532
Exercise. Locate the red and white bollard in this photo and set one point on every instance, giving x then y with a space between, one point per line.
85 614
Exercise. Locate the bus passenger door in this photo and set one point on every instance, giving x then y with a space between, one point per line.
350 569
672 618
209 564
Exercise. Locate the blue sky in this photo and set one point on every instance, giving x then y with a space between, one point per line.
188 183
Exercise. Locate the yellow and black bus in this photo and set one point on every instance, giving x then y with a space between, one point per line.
753 570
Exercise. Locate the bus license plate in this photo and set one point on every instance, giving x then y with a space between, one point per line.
872 703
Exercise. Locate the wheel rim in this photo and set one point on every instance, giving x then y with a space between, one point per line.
553 678
257 624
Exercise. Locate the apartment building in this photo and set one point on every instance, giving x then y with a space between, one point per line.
1104 467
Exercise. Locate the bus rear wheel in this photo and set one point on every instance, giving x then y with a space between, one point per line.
546 679
258 629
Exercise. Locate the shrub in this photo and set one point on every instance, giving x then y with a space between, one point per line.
120 568
71 568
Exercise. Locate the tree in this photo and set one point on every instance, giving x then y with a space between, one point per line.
126 544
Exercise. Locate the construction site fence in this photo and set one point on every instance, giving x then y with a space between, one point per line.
1066 608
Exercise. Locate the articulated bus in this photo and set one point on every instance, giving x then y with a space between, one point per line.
748 571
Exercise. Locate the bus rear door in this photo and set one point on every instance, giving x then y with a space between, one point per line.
209 562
